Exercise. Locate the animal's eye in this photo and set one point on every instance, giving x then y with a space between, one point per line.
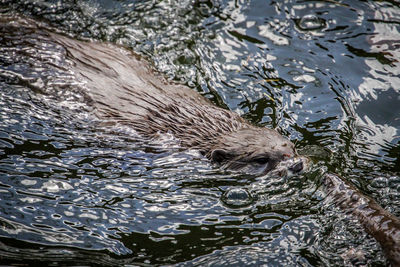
261 160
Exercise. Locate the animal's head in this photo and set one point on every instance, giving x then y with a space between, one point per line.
257 151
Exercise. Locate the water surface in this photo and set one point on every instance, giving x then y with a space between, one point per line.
324 73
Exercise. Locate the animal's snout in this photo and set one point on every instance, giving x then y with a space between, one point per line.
297 167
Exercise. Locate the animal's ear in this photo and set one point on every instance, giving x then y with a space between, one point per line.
220 155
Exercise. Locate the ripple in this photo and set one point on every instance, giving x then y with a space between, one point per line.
269 33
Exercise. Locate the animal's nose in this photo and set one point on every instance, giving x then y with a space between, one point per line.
297 167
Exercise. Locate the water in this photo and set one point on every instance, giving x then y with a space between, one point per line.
325 73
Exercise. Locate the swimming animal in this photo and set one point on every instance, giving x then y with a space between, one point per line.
124 88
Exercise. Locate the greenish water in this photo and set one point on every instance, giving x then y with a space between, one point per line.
324 73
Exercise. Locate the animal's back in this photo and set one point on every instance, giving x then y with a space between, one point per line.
121 86
114 74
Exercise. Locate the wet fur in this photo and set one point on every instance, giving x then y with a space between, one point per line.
123 88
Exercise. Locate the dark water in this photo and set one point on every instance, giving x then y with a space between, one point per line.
325 73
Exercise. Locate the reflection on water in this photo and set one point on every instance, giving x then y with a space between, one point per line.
325 73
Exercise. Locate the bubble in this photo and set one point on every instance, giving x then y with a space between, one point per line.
237 198
380 182
311 23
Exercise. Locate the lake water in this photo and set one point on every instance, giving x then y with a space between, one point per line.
326 74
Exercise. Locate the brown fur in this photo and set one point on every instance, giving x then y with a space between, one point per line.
151 105
123 88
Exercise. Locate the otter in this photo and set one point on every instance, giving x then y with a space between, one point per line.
151 105
124 88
